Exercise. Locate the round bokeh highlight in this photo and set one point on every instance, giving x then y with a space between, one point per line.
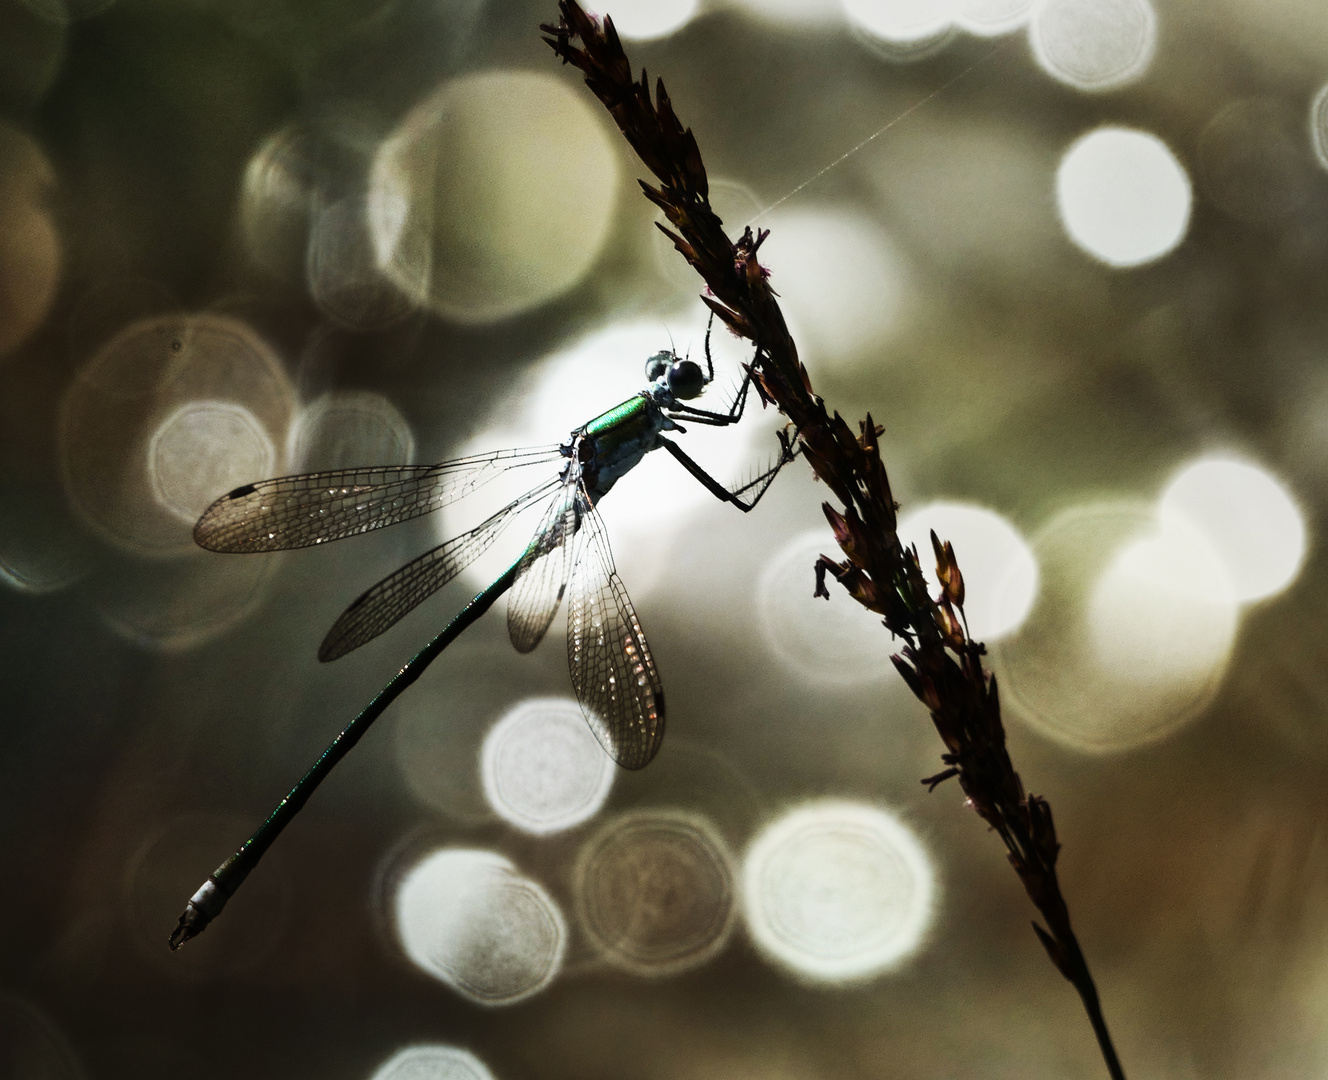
1319 125
1094 45
845 288
1123 197
494 195
901 22
429 1061
342 271
645 20
168 415
1132 631
1247 515
991 18
199 450
543 769
469 919
344 429
655 892
1000 572
31 254
827 643
837 892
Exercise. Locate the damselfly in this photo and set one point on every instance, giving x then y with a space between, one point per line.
610 663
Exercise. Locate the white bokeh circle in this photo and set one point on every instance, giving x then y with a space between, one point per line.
643 20
204 449
1248 517
1131 634
542 768
837 891
1319 125
1094 45
1000 572
901 21
1123 196
432 1062
470 920
835 643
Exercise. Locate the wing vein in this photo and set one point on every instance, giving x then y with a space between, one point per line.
611 666
315 508
383 605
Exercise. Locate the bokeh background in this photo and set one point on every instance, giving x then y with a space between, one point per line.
1076 267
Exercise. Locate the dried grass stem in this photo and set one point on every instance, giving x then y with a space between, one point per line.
940 663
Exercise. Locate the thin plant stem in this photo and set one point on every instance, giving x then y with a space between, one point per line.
940 663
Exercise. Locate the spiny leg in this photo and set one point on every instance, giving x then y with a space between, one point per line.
706 416
735 496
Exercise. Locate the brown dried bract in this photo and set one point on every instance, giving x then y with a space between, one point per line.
939 662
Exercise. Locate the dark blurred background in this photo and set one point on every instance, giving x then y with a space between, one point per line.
1078 272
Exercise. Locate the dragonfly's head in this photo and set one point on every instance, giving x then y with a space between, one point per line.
685 379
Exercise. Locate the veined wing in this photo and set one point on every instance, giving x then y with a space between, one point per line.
382 606
314 508
541 576
610 663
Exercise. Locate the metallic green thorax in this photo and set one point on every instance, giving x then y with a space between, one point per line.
613 443
633 407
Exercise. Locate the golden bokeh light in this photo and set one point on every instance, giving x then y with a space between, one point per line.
494 195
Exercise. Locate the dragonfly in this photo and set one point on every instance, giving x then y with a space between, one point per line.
568 556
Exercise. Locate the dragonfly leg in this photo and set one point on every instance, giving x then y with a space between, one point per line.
712 419
705 416
710 363
740 497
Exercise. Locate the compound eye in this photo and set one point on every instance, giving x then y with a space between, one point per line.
686 379
657 365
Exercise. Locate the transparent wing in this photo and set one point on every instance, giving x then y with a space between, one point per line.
314 508
382 606
607 655
541 577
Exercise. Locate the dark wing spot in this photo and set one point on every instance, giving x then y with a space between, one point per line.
242 491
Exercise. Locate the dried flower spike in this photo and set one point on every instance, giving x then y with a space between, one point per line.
940 663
